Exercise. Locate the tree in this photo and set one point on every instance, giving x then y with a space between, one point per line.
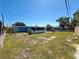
63 21
19 24
76 15
0 27
74 22
49 27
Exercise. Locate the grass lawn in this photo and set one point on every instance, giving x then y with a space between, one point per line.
23 46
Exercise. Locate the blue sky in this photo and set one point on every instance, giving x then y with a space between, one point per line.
36 12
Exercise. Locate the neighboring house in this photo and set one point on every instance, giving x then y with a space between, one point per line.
20 29
28 28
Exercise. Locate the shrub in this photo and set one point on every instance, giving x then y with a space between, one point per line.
30 32
9 30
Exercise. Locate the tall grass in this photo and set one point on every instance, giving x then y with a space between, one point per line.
22 46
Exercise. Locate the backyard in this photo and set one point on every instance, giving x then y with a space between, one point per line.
50 45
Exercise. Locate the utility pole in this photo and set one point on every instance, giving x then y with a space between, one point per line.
2 23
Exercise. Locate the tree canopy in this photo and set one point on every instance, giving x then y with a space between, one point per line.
63 21
49 27
75 20
19 24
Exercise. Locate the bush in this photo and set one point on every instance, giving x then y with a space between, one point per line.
30 32
9 30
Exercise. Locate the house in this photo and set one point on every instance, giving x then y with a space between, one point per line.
20 29
28 28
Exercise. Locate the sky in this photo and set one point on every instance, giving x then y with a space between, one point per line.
35 12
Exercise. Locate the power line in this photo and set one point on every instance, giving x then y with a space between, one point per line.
4 12
67 7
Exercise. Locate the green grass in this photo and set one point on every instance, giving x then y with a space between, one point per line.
19 44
